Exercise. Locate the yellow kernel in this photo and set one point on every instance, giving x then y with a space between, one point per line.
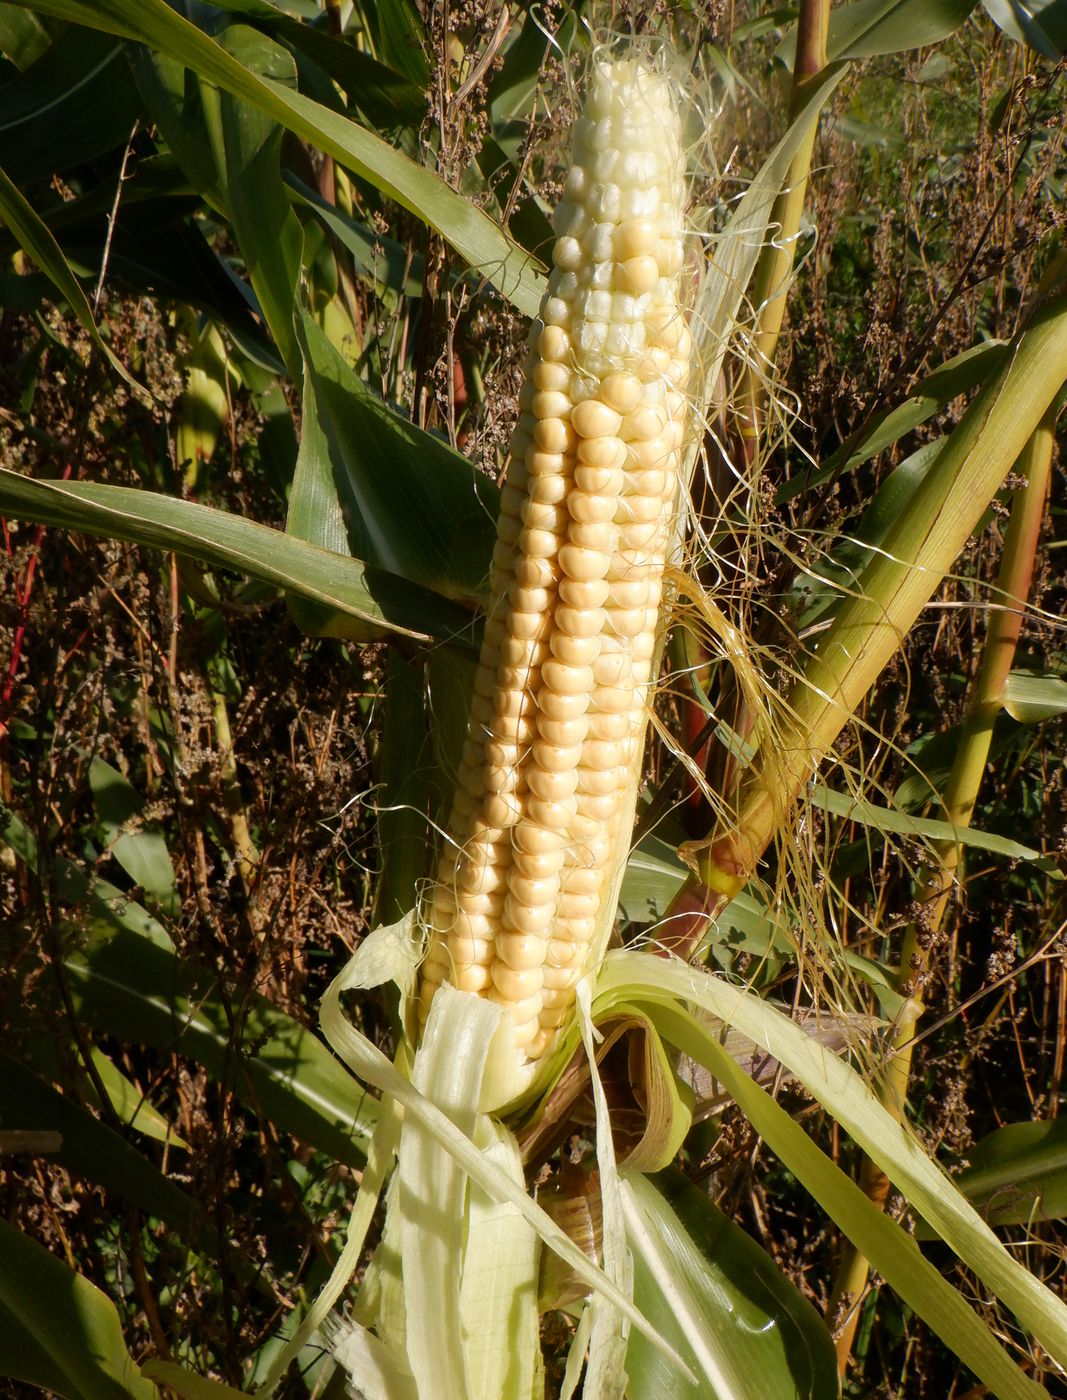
557 706
561 732
573 651
521 651
534 840
593 419
599 481
639 275
567 680
553 435
577 906
521 951
542 463
634 508
601 754
579 933
528 622
539 544
504 808
557 816
539 515
567 254
630 593
643 424
508 529
566 954
548 490
600 807
584 593
616 699
582 881
634 238
583 564
622 392
529 918
547 375
528 600
557 757
552 785
501 779
600 538
474 977
579 622
527 890
489 904
601 452
589 509
554 343
651 482
600 781
649 535
549 403
538 865
520 988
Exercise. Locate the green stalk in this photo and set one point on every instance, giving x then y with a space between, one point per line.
246 856
770 284
870 625
958 801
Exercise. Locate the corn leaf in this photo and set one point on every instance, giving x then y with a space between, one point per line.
141 852
228 541
34 238
471 232
272 1063
1018 1174
889 821
96 1153
738 1321
931 395
847 1096
1042 24
359 461
1029 699
867 28
58 1331
73 105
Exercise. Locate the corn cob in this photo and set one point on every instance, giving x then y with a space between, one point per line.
543 810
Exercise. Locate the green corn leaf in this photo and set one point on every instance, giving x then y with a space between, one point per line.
217 538
1018 1174
891 822
34 238
708 1286
358 460
471 232
58 1331
1029 699
273 1063
142 853
867 28
1041 24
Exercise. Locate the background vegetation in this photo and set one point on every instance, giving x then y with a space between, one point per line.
208 797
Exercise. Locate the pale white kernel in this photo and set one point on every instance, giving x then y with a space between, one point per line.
556 314
540 544
542 463
567 253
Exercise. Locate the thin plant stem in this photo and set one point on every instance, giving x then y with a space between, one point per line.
958 800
